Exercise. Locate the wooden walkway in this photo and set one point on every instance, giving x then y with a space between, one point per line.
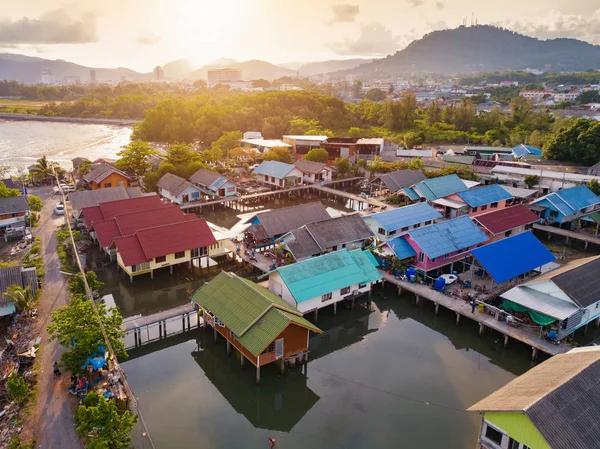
587 238
528 335
350 196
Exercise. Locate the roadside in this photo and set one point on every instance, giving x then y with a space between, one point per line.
51 420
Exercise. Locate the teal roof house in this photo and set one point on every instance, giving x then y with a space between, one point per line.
325 280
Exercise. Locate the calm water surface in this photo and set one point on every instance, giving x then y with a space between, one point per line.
22 143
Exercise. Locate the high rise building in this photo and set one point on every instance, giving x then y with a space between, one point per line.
47 76
93 76
223 76
158 73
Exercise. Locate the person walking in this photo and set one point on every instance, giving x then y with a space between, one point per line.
56 370
473 305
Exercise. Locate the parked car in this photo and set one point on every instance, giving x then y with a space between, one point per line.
66 188
60 209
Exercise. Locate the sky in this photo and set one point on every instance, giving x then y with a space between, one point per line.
141 34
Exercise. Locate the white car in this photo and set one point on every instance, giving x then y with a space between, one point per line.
449 278
60 209
66 188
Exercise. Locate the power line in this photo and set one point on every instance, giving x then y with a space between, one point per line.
90 297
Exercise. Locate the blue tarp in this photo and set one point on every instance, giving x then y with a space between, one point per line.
401 248
97 360
511 257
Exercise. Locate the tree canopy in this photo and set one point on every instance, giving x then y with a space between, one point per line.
5 192
280 154
579 141
134 157
317 155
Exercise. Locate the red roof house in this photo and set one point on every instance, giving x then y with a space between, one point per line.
107 211
505 222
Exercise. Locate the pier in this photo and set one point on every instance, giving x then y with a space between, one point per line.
140 330
525 334
569 235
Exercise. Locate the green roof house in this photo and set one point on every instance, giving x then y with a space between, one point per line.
555 405
325 280
258 323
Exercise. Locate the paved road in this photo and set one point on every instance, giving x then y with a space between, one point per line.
53 413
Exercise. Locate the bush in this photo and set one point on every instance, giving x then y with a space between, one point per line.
17 387
36 247
35 203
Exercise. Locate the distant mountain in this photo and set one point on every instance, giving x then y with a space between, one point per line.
251 70
28 69
224 61
180 68
319 68
482 48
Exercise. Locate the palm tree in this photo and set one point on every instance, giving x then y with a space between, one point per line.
42 169
22 297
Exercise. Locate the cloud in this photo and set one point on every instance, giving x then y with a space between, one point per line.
374 40
344 13
53 27
558 25
415 3
148 39
440 5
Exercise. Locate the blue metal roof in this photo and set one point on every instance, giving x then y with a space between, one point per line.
484 195
448 236
522 149
405 216
571 200
410 192
274 168
511 257
440 187
218 183
401 248
314 277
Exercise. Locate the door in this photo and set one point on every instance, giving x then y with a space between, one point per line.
279 348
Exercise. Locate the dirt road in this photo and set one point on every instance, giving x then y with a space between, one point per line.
51 420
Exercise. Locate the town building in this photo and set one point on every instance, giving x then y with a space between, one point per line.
259 324
526 152
567 206
223 76
78 162
266 227
320 237
536 95
15 276
567 96
594 170
566 298
105 176
110 209
489 153
550 181
503 223
263 145
89 198
13 212
435 188
554 405
213 184
154 248
444 243
397 180
498 260
325 280
301 145
396 222
314 172
178 190
483 199
371 147
278 174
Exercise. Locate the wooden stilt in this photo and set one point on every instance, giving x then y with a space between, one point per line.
506 338
282 365
437 308
242 360
334 308
481 329
257 373
316 314
457 318
228 347
534 353
215 333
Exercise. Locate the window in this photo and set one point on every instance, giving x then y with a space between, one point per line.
427 223
381 231
345 291
107 184
271 347
160 259
474 209
494 205
199 252
493 435
326 297
218 322
362 285
554 213
433 260
392 232
421 257
179 255
404 229
141 267
418 225
484 207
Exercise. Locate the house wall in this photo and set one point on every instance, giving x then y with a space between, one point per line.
170 260
428 264
9 219
193 192
218 249
230 189
473 212
114 179
495 238
374 226
277 286
517 426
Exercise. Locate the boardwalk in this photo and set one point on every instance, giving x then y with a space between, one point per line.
588 238
528 335
350 196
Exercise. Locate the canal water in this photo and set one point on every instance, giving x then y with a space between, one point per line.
397 376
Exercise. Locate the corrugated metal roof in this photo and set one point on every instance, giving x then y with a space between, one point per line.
405 216
174 184
13 205
518 192
522 149
484 195
513 256
310 166
254 314
303 245
410 192
400 179
276 169
570 201
581 283
205 177
90 198
503 220
280 221
401 248
540 302
448 236
440 187
334 271
19 276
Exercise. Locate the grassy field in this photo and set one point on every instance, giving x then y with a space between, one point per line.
21 106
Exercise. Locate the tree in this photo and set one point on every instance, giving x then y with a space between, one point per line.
535 139
589 96
412 138
150 180
434 113
76 285
578 141
521 110
464 115
134 157
22 297
228 140
317 155
84 168
280 154
355 132
375 94
75 326
260 83
301 127
42 169
102 424
532 180
181 154
594 186
357 89
35 203
17 387
5 192
342 164
199 84
213 154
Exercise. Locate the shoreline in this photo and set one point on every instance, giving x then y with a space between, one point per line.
44 118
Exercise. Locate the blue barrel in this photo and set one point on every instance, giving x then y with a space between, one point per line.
440 283
410 271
